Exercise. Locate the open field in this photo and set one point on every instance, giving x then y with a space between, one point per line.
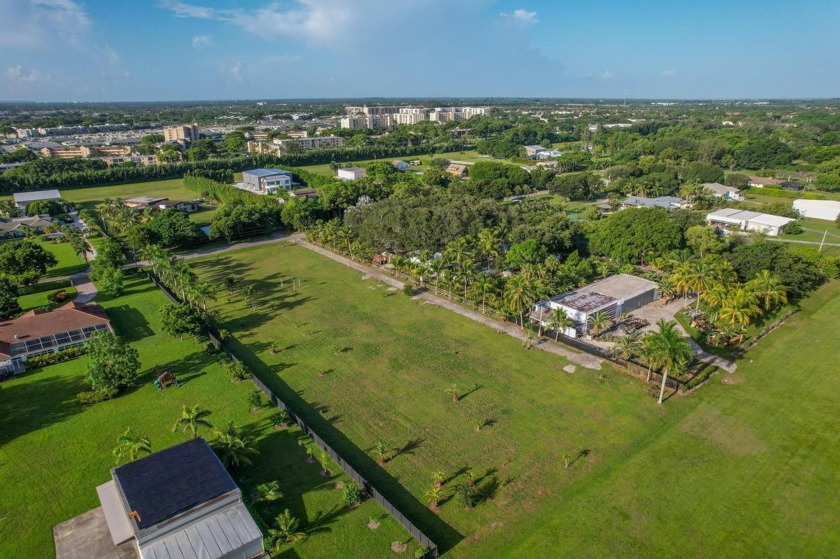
53 453
751 471
363 364
744 467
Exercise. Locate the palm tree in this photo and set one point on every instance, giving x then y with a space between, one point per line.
436 267
683 280
433 496
129 446
599 321
381 453
234 447
626 346
286 531
248 294
559 321
191 419
453 391
519 296
459 251
231 283
484 282
268 492
201 293
438 477
669 350
740 305
769 289
488 243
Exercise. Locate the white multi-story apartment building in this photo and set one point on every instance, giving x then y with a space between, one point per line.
313 143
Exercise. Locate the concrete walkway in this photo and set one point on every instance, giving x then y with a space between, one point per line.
85 289
582 359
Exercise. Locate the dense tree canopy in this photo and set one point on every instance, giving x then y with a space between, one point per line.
636 235
23 262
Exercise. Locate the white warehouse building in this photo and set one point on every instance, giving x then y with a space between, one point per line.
818 209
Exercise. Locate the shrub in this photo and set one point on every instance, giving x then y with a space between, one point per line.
256 399
56 357
351 495
58 296
793 228
408 289
280 419
41 287
90 397
237 371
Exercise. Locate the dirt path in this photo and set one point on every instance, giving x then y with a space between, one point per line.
582 359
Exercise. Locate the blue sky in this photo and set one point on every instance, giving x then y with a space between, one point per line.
123 50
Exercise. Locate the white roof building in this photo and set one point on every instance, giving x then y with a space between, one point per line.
351 173
23 199
748 221
722 191
818 209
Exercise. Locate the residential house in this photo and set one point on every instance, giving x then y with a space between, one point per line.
176 503
457 170
818 209
143 202
38 332
532 151
667 202
17 226
266 181
761 182
351 173
722 191
615 295
548 154
401 165
23 199
188 207
304 193
744 220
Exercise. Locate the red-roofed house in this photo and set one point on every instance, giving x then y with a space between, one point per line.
38 332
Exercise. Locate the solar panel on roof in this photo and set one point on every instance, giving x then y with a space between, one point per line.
172 481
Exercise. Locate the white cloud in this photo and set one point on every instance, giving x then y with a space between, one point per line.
523 17
235 71
320 21
18 78
606 74
667 72
201 41
41 24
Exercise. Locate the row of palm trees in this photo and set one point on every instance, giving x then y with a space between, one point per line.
177 275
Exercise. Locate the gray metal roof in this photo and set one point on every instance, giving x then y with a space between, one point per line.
266 172
605 292
36 195
220 535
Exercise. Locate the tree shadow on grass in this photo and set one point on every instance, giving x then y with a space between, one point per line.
129 323
31 404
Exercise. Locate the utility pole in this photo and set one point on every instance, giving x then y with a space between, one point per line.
823 241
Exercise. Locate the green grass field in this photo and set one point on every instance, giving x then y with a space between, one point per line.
68 263
53 453
745 467
39 300
363 364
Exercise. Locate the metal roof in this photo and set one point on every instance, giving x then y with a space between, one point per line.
231 532
266 172
36 195
172 481
605 292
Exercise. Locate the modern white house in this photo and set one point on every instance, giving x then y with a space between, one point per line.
176 503
23 199
267 181
744 220
615 295
351 173
818 209
722 191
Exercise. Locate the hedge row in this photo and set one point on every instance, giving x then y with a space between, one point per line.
56 357
46 286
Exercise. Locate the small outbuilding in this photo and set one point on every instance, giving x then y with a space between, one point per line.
351 173
746 220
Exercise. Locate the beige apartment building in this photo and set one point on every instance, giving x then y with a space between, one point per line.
182 134
84 152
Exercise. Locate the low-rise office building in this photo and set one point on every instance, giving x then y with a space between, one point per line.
267 181
23 199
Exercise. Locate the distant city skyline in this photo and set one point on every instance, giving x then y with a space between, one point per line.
159 50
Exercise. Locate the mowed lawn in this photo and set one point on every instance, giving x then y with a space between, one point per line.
363 364
68 262
752 471
53 452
